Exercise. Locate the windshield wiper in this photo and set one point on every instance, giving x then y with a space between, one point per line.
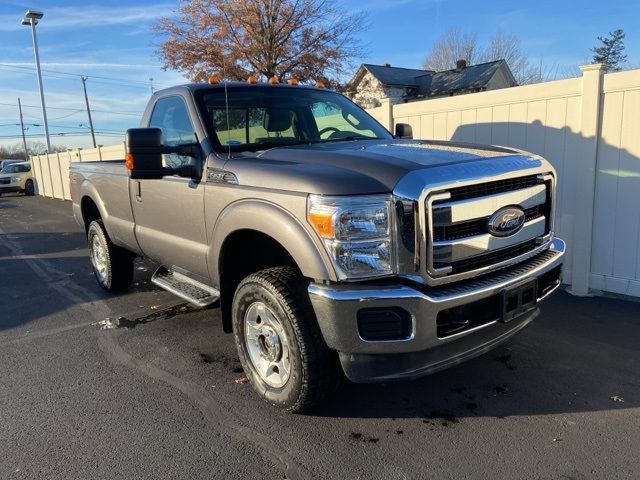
266 145
351 138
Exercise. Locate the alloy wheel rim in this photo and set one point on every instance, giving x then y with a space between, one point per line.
267 345
99 258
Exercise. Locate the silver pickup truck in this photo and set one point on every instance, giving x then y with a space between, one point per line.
328 243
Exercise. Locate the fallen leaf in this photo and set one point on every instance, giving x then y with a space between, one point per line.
153 307
616 398
241 380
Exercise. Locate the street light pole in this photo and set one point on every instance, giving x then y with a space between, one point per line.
31 18
24 140
86 100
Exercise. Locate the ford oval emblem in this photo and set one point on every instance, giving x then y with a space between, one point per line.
506 221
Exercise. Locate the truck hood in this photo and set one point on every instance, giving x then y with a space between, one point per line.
352 167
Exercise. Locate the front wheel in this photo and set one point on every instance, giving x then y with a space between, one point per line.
29 188
112 265
279 343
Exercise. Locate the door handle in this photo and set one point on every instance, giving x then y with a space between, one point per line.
138 191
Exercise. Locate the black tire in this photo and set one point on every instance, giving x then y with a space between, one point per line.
117 262
314 368
29 188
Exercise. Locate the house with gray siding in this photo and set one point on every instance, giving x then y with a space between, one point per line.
374 82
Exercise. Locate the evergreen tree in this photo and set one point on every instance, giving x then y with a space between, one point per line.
611 52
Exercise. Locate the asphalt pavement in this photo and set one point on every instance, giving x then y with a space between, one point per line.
141 386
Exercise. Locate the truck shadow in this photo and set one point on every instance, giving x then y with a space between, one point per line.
36 267
581 354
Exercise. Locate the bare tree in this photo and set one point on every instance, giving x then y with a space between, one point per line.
452 46
506 46
455 45
16 151
306 39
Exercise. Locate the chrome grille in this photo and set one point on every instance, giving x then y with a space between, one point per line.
459 244
490 188
476 227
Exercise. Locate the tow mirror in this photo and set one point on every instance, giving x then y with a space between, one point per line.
144 150
404 130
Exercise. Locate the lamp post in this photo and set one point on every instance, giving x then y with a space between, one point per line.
31 19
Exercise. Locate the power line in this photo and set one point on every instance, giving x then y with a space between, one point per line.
67 115
58 72
65 134
134 114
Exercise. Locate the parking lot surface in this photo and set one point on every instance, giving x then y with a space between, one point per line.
142 386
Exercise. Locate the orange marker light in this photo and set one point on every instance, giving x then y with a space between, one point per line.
213 80
128 161
252 79
322 223
293 81
320 84
274 80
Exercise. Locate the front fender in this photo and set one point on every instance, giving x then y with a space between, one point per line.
278 223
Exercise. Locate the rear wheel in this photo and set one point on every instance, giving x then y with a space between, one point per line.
279 343
29 188
112 265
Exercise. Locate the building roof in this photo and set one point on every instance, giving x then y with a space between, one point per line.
473 77
395 76
427 83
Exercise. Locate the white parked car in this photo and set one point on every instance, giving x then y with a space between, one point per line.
16 177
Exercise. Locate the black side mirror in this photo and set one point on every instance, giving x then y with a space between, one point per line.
404 130
144 150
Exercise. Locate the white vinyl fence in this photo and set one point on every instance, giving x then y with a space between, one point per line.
51 170
589 129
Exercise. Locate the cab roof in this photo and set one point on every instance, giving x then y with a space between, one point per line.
194 87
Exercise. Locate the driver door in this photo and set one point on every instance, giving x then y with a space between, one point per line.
169 212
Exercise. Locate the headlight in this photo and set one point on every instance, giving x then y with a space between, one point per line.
15 179
356 231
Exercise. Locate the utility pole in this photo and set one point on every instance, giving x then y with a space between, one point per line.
86 100
24 140
151 84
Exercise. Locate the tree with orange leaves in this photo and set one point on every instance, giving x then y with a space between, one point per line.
303 39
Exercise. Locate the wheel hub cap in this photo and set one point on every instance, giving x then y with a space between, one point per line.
267 345
98 257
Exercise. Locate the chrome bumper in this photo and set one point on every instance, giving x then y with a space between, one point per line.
422 352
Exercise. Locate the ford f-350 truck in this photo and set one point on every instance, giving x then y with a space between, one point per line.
328 243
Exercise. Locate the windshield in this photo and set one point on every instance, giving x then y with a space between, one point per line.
13 168
264 117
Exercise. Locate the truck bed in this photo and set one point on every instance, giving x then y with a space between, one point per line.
111 181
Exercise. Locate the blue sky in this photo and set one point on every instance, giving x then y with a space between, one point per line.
113 40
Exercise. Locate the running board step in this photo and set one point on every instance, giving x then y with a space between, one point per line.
185 287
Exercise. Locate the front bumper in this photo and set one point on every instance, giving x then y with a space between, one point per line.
10 188
423 351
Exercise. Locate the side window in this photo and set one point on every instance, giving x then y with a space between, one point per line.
170 114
